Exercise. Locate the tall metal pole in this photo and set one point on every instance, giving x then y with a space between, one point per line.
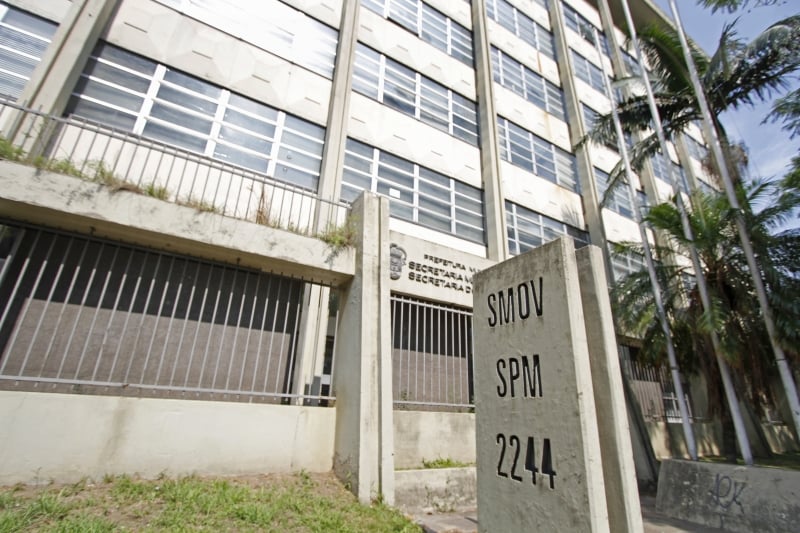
716 149
702 284
688 431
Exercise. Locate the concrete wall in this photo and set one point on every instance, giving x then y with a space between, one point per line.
423 435
439 490
730 497
68 437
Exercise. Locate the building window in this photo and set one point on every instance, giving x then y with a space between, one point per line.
415 193
625 263
528 229
631 63
131 93
515 76
527 150
413 94
23 40
522 26
588 72
271 25
581 25
428 24
661 166
696 150
619 200
590 117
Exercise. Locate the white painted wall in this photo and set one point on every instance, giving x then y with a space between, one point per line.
431 435
66 437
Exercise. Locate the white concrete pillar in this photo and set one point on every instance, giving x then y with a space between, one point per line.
364 442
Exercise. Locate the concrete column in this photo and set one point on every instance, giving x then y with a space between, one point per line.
314 322
330 179
591 200
622 494
493 197
53 79
364 440
55 76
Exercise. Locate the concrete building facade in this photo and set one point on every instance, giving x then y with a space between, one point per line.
282 204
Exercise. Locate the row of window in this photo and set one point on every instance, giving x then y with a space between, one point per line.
624 264
408 91
581 25
661 166
696 150
515 76
619 200
428 24
135 94
527 150
590 116
522 26
271 25
528 229
23 40
415 193
588 72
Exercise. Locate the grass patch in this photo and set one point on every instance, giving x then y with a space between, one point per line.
787 461
340 237
200 205
443 462
279 503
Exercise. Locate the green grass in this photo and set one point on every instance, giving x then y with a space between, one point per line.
787 461
443 462
280 503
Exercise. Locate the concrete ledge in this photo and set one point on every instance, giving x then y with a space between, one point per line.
30 195
66 437
729 497
435 490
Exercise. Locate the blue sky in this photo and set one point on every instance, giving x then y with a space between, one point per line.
769 147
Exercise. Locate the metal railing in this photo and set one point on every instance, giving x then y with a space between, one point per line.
79 314
654 391
124 161
431 355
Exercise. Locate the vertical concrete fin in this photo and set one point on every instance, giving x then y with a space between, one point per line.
622 493
363 449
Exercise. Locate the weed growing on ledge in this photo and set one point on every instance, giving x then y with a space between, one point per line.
340 237
157 191
10 152
199 204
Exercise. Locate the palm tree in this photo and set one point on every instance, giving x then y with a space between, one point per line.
744 343
738 74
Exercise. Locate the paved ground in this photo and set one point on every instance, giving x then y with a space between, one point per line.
466 522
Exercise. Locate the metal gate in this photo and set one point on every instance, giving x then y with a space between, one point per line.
79 314
431 355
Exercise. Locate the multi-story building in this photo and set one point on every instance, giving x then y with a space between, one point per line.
169 164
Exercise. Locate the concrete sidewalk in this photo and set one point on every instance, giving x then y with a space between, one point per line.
467 522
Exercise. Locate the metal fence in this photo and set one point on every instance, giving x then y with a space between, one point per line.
79 314
431 355
124 161
654 391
